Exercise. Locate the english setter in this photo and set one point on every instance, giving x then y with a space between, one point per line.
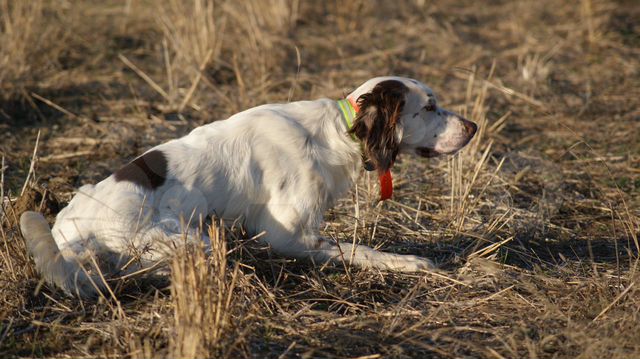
276 167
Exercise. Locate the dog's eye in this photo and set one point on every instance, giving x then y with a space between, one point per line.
430 107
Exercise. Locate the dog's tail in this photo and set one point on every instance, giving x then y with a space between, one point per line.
66 274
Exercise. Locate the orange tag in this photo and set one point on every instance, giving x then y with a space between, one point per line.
386 185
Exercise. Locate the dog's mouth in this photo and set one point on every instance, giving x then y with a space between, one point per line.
470 131
427 152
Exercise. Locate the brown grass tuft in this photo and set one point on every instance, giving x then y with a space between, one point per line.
206 310
193 33
31 34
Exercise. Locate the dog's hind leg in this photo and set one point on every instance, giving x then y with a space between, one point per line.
160 241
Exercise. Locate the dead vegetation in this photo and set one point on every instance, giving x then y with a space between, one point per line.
535 223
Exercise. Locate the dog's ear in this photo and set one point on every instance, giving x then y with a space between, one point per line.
377 120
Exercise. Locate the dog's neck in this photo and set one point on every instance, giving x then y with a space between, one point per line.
349 110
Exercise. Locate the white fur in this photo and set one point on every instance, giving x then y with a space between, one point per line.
276 167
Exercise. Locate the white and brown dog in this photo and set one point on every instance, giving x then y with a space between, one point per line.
276 167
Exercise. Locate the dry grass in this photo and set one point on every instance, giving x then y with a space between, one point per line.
26 36
206 305
535 223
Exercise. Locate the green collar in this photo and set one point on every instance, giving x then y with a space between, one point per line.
348 114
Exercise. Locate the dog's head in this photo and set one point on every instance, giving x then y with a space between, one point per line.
401 115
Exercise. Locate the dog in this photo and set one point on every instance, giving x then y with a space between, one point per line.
276 168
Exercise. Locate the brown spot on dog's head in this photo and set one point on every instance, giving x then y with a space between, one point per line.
376 122
148 170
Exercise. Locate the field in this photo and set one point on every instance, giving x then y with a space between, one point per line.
535 224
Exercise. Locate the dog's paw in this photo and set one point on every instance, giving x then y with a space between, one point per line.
411 263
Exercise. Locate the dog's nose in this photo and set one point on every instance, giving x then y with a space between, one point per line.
470 127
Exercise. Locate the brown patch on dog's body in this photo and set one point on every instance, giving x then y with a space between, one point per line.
148 170
376 122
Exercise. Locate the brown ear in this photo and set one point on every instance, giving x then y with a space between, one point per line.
376 123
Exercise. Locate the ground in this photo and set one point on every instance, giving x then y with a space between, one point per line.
535 224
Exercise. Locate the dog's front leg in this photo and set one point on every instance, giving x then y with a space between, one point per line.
367 257
293 235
